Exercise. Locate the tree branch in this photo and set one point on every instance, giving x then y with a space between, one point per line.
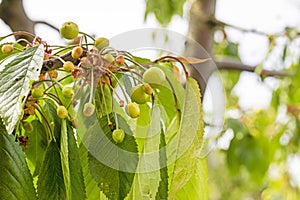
13 14
55 63
47 24
228 64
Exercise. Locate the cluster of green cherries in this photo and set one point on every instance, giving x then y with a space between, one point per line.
139 94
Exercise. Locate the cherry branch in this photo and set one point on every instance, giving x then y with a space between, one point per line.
47 24
227 64
213 22
56 62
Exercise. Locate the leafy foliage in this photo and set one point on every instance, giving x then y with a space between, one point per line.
64 121
115 175
14 171
15 83
188 140
164 10
51 183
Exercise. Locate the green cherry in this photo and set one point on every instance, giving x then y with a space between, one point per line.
69 30
88 109
101 43
132 109
118 135
154 75
138 94
68 92
62 112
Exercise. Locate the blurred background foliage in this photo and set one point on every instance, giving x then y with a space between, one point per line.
261 160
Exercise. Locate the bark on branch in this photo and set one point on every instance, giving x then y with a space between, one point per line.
227 64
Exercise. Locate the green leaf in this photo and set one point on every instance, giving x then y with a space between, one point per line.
141 60
197 187
112 165
51 181
164 10
16 181
148 171
36 149
142 124
92 189
49 110
127 83
77 187
64 154
162 192
184 149
246 150
15 81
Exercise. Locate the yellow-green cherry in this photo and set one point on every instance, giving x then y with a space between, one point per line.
88 109
69 30
101 43
76 52
62 112
7 48
37 93
109 58
154 75
138 94
118 135
132 109
68 66
147 88
68 92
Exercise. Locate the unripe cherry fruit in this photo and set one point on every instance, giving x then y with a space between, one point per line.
7 48
69 30
62 112
101 43
132 109
118 135
154 75
68 92
147 88
138 95
53 73
76 52
109 58
68 66
27 126
88 109
37 93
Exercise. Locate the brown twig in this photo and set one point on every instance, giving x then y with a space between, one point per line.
238 66
47 24
55 63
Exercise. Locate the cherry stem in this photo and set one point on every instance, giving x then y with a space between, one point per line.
51 135
122 89
136 63
92 85
105 105
85 34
